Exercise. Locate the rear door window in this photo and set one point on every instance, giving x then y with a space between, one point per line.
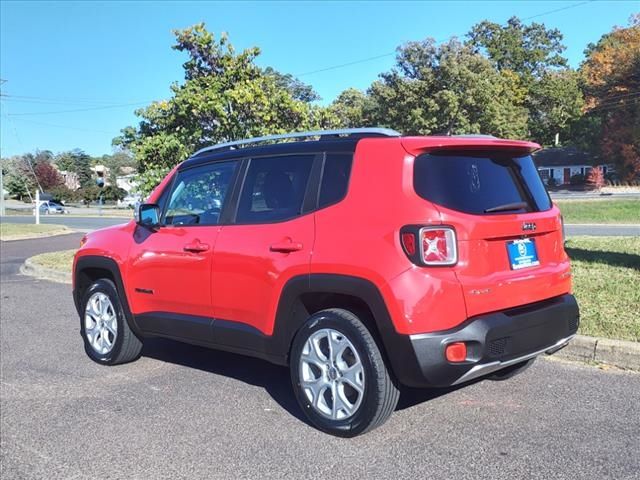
481 182
274 188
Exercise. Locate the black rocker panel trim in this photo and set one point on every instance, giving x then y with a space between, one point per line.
207 332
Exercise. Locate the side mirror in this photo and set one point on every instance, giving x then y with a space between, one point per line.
148 215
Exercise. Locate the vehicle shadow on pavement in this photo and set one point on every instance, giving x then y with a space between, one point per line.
410 397
273 378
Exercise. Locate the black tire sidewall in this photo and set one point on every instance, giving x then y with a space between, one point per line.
109 289
372 389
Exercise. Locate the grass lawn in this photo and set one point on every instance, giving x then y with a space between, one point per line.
16 231
606 276
600 211
62 260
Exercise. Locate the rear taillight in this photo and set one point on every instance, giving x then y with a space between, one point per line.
430 246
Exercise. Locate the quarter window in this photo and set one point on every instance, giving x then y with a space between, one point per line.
335 178
274 188
198 194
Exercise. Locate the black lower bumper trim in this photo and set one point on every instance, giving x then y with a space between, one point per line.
494 341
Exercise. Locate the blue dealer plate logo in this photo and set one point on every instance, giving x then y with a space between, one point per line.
522 253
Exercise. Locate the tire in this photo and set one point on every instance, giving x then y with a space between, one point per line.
356 373
512 371
108 339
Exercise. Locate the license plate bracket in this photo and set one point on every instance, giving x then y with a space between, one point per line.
522 253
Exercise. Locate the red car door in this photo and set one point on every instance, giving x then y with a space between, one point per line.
169 268
270 241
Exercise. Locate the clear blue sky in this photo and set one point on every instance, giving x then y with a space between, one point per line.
82 55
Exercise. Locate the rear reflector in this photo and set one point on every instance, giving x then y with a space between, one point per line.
438 246
456 352
409 243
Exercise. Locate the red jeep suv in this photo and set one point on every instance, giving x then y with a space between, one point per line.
361 259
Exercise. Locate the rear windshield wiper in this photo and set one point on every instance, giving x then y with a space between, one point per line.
507 207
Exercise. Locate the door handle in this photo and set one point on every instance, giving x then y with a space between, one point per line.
196 247
286 247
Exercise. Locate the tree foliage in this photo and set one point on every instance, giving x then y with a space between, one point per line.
78 162
529 50
611 75
47 175
225 96
447 89
352 109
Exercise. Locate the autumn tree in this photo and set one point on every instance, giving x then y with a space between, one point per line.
47 175
611 75
595 178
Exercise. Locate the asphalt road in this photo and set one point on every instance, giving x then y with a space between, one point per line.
93 223
187 412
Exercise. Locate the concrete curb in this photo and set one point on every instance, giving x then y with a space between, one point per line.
619 353
32 269
31 236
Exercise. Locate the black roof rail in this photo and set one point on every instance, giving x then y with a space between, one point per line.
321 134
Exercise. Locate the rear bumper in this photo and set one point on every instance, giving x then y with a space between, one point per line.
494 341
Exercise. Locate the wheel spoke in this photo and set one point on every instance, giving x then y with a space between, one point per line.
353 376
101 324
111 325
312 352
341 403
337 345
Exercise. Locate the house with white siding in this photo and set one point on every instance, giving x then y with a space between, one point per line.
562 163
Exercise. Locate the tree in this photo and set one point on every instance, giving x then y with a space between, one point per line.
611 75
552 94
298 89
595 178
225 96
113 193
352 108
529 50
448 89
18 180
555 102
78 162
47 175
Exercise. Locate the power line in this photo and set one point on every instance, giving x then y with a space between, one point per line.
64 99
368 59
61 126
79 109
610 107
10 98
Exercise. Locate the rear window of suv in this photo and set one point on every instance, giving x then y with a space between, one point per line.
481 182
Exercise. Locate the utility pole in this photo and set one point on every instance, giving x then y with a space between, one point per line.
2 209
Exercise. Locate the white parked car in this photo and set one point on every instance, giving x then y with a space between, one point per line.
50 207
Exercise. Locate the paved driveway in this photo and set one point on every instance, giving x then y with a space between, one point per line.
186 412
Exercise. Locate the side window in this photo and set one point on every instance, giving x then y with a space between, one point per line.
335 178
274 188
198 194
